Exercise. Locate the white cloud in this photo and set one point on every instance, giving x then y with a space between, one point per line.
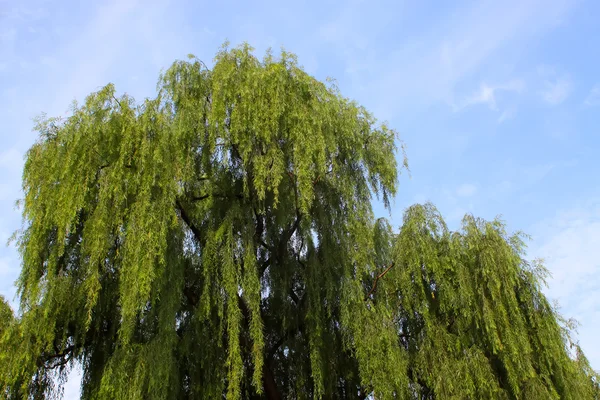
8 36
556 87
95 50
466 190
536 173
420 72
593 98
570 244
209 31
487 94
557 91
13 22
507 114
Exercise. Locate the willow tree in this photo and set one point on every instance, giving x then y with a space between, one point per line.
219 241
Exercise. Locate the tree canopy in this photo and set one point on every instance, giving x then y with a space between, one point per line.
219 240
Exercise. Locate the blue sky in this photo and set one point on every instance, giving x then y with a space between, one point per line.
497 102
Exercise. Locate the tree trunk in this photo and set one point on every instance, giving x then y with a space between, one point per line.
269 385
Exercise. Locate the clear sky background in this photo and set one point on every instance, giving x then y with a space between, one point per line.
498 102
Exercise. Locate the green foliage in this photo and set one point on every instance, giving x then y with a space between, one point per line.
219 240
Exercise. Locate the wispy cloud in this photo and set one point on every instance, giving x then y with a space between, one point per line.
507 114
570 244
14 21
593 98
487 94
556 87
466 190
535 173
557 91
95 50
423 71
8 36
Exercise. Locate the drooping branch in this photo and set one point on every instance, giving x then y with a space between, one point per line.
377 278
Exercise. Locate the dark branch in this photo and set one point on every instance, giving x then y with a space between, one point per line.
297 254
61 362
186 218
287 236
218 195
302 264
258 232
67 352
260 224
103 166
381 275
290 333
236 152
117 100
266 246
364 394
264 266
284 240
294 297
